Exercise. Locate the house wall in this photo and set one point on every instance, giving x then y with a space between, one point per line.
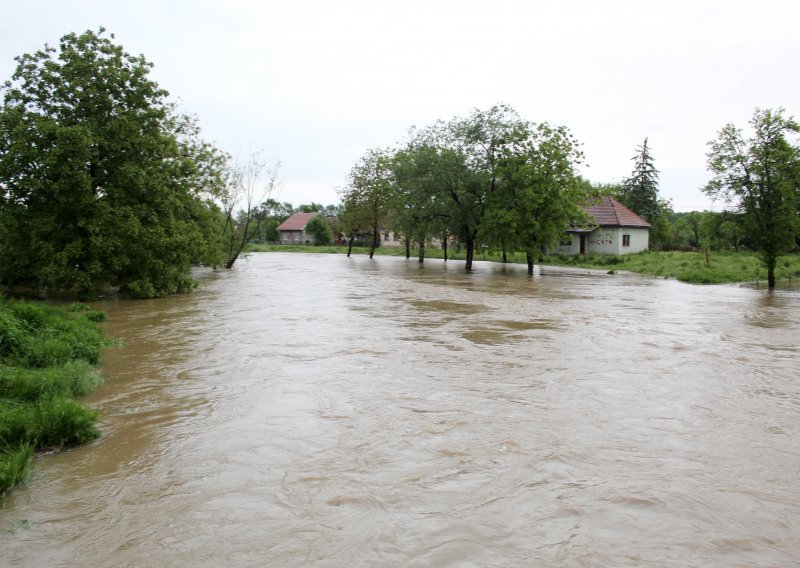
608 240
295 238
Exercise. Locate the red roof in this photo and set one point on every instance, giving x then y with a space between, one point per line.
610 212
297 222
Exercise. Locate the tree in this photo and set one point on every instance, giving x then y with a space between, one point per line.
640 190
417 207
245 204
320 230
366 196
102 183
760 177
639 193
539 193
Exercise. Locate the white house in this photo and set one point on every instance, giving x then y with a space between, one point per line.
618 230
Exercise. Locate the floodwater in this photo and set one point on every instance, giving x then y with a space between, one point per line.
313 410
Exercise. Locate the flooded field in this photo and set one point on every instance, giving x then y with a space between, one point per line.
318 410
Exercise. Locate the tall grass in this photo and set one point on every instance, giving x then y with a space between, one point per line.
47 357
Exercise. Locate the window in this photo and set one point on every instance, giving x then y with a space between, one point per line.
626 240
386 236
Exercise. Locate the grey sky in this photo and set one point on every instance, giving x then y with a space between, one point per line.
314 83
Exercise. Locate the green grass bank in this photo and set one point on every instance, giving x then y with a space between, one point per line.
690 267
48 356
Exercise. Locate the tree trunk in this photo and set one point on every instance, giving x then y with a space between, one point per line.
408 249
374 244
470 253
350 244
771 262
421 252
444 246
530 258
505 258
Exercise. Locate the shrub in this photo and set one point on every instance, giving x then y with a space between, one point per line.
14 464
47 356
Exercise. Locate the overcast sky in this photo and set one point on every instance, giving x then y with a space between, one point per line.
314 84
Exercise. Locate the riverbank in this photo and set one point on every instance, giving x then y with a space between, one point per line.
689 267
48 356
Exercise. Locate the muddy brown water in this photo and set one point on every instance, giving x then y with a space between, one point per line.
313 410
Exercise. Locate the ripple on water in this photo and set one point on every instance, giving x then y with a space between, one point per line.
318 410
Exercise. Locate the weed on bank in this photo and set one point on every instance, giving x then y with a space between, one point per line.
48 356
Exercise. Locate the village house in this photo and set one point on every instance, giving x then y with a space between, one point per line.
293 230
617 230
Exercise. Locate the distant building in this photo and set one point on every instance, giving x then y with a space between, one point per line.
618 231
293 230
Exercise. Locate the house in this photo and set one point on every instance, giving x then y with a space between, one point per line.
618 230
293 230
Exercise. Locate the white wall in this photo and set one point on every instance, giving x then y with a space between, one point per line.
608 240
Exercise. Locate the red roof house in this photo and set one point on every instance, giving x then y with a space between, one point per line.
616 230
293 230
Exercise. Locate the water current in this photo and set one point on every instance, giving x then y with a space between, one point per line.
316 410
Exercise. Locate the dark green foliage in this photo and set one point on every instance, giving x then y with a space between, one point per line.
320 230
47 356
640 190
103 184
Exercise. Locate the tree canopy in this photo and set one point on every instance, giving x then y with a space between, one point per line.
102 182
490 177
760 177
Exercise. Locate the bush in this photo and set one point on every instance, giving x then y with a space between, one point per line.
14 464
47 356
75 378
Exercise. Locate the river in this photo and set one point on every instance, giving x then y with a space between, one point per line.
318 410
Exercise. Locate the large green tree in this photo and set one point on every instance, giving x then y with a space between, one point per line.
102 182
539 194
760 177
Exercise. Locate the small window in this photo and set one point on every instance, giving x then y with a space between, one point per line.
626 240
386 236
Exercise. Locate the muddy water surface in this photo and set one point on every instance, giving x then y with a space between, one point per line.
319 410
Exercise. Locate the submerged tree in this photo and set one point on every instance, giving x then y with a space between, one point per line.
245 204
760 177
102 183
366 196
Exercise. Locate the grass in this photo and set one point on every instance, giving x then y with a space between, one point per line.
47 357
690 267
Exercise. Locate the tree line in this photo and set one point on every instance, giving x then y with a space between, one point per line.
488 179
103 183
494 180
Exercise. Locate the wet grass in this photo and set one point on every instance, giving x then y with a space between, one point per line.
690 267
47 357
